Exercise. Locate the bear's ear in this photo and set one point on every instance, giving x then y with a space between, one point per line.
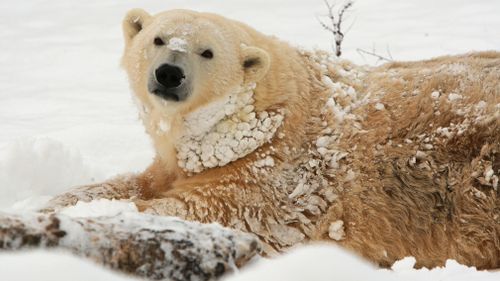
133 23
255 63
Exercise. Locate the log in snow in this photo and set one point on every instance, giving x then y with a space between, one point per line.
159 248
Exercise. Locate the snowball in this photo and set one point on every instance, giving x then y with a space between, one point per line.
379 106
453 97
428 146
488 173
336 230
435 95
266 162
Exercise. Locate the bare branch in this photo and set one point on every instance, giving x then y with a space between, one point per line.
336 23
379 57
330 9
343 10
325 26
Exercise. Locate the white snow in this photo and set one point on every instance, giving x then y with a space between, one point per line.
99 208
327 262
67 118
336 230
379 106
481 105
268 161
177 44
322 141
435 95
53 266
453 97
164 126
40 166
224 131
318 263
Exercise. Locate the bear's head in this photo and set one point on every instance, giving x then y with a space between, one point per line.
196 77
184 59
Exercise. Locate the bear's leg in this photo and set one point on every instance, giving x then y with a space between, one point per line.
122 187
207 202
238 205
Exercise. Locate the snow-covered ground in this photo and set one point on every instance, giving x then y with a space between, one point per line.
67 117
314 263
327 263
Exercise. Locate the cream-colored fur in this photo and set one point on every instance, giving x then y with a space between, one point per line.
399 160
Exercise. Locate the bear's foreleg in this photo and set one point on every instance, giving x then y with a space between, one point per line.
207 202
122 187
131 186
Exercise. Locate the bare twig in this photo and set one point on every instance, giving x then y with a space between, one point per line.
335 25
379 57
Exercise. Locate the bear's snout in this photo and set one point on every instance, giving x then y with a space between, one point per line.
168 79
169 76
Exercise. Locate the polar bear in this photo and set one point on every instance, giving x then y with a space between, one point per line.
297 146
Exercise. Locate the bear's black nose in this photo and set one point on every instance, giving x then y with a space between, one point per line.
169 76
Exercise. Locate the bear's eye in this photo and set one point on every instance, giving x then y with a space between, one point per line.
158 41
207 54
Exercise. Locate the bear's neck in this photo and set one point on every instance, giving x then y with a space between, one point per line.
224 131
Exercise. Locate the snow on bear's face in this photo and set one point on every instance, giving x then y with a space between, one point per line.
178 61
194 76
